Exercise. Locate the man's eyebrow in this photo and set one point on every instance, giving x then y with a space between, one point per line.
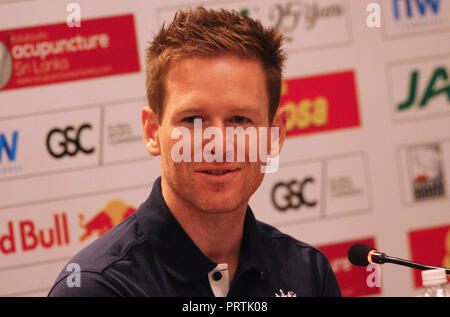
246 110
196 109
188 109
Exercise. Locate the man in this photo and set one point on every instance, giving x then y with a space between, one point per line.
196 235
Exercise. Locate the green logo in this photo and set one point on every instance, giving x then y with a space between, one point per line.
438 85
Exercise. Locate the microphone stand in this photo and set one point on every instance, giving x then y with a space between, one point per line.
380 258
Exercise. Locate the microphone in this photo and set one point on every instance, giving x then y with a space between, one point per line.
362 255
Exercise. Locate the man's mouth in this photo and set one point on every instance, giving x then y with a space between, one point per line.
216 172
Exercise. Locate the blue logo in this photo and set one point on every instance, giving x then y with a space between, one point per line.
10 148
422 7
8 153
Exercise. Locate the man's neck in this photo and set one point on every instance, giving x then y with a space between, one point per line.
217 235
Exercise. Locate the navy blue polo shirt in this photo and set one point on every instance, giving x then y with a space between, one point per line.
149 254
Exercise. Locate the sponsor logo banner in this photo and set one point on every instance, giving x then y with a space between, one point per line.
305 23
111 215
53 142
305 191
353 280
122 135
54 53
320 103
298 195
430 246
424 171
405 17
62 140
44 232
420 89
25 235
9 144
347 187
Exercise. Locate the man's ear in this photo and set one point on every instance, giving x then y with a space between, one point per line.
279 121
150 131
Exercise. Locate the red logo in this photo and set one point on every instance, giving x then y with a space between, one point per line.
352 279
430 246
112 214
27 236
320 103
57 53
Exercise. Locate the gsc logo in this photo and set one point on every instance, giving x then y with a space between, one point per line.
290 195
67 142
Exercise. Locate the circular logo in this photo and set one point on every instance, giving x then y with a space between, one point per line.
5 65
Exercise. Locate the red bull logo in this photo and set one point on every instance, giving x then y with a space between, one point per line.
112 214
29 235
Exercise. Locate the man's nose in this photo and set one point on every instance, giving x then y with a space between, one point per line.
216 132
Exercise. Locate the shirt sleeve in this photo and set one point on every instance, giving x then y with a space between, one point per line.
331 286
90 284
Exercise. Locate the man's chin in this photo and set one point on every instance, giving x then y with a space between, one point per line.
220 205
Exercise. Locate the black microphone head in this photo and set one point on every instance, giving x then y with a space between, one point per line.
357 254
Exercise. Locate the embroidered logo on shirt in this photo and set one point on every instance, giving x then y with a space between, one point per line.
288 294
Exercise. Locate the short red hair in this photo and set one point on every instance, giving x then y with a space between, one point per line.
201 33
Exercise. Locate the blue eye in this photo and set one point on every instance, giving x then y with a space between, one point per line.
191 119
240 120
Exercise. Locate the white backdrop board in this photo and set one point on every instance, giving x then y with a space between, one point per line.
375 168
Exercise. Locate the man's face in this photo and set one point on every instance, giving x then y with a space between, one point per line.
225 91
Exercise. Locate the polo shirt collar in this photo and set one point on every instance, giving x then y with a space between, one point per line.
179 254
251 253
